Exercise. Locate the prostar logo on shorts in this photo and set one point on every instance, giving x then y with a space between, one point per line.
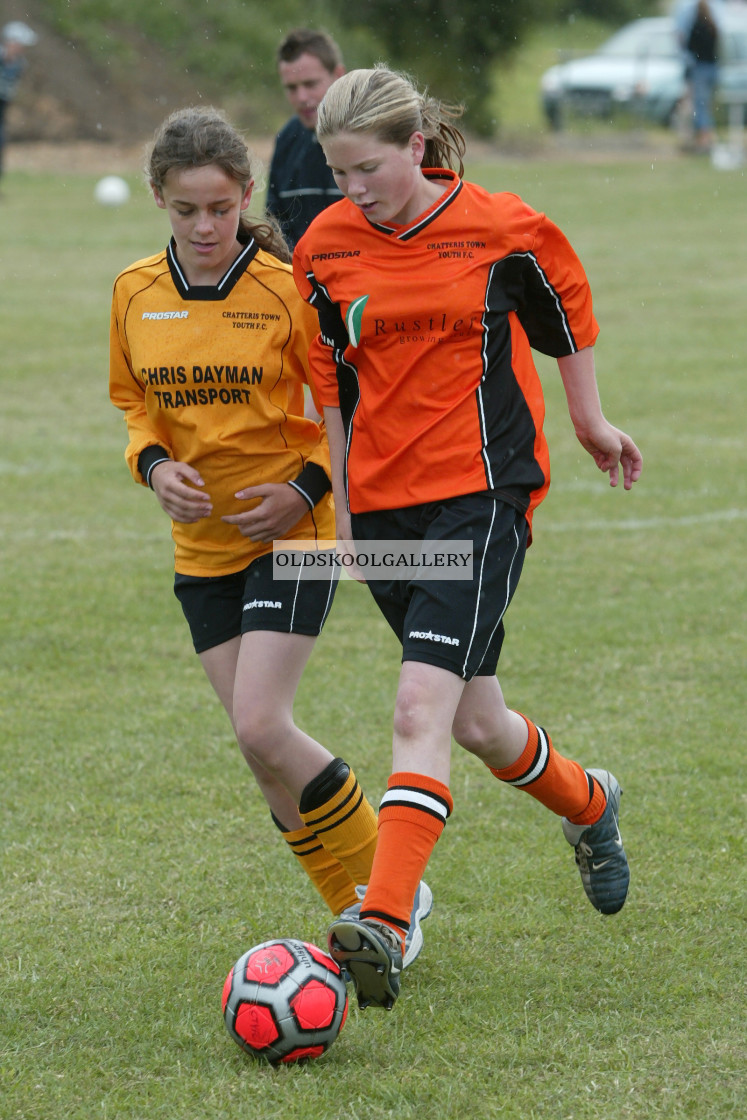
429 636
273 604
165 315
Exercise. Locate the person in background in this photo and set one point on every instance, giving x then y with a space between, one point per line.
701 42
300 184
209 348
430 293
16 37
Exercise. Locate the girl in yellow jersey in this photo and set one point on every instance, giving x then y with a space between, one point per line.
431 293
209 345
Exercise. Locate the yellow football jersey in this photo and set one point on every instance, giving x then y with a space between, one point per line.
215 375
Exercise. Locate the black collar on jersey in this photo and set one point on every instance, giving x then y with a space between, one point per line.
210 291
431 215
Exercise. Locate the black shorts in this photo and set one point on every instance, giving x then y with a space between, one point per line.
219 608
455 624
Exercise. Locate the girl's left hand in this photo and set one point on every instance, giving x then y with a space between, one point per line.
611 449
280 508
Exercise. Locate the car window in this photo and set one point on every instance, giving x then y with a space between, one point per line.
639 41
733 46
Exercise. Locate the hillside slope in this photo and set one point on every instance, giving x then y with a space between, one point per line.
65 95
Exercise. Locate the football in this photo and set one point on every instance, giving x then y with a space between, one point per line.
111 191
285 1000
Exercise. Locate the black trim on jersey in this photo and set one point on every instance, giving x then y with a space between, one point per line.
431 216
516 283
226 283
312 483
512 495
507 428
528 291
349 396
334 334
149 457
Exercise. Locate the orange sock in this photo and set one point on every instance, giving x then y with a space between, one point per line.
557 782
412 816
326 873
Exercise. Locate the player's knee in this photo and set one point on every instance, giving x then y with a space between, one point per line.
411 716
472 733
262 734
482 734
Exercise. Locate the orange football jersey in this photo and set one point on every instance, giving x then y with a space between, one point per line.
425 342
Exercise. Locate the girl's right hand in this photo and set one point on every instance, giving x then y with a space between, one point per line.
174 484
346 546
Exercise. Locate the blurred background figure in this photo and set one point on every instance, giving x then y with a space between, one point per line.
16 37
300 184
698 30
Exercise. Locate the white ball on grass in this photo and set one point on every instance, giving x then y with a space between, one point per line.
111 191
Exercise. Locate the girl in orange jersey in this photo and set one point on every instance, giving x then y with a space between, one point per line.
430 294
209 349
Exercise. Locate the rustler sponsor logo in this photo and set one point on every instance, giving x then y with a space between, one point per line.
429 636
425 328
430 329
336 255
165 314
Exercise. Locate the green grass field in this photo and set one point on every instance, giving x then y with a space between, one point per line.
138 861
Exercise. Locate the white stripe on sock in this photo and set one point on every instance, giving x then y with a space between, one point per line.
419 799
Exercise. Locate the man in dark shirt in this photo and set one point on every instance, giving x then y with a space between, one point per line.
300 184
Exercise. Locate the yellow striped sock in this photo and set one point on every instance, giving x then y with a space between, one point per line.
345 823
326 873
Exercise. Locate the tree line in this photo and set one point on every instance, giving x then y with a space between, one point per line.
228 46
